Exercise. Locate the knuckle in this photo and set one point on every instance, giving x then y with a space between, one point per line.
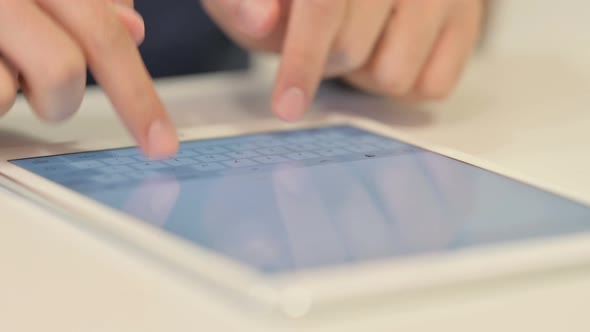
106 32
103 40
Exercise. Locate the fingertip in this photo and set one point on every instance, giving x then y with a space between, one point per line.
162 140
291 104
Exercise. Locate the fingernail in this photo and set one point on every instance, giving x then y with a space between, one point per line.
291 105
253 16
162 140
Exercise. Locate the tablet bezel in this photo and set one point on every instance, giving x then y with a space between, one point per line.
297 294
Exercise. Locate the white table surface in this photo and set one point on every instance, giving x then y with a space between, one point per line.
528 113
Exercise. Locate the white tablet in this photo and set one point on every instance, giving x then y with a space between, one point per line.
309 218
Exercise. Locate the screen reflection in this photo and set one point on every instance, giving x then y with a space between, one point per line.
311 198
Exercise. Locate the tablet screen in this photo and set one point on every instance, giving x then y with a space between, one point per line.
300 199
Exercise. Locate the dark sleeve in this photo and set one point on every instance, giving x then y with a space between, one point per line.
181 39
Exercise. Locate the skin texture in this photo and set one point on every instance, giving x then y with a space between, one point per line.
69 36
405 49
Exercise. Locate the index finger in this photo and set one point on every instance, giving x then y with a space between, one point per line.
313 27
117 66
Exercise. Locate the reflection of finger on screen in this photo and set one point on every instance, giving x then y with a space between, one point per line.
154 200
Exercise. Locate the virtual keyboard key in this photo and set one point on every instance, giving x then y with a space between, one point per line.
41 161
143 158
211 150
300 139
209 167
271 159
212 158
362 148
186 153
126 152
332 152
301 155
240 163
115 169
179 170
87 156
269 143
149 165
80 173
141 175
273 150
243 154
119 161
108 178
330 144
369 139
241 146
86 164
302 147
391 145
179 161
327 137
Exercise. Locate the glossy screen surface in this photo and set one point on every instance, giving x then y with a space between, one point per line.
295 200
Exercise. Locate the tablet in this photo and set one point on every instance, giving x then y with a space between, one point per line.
296 219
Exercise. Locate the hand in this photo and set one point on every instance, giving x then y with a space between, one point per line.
411 49
46 45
